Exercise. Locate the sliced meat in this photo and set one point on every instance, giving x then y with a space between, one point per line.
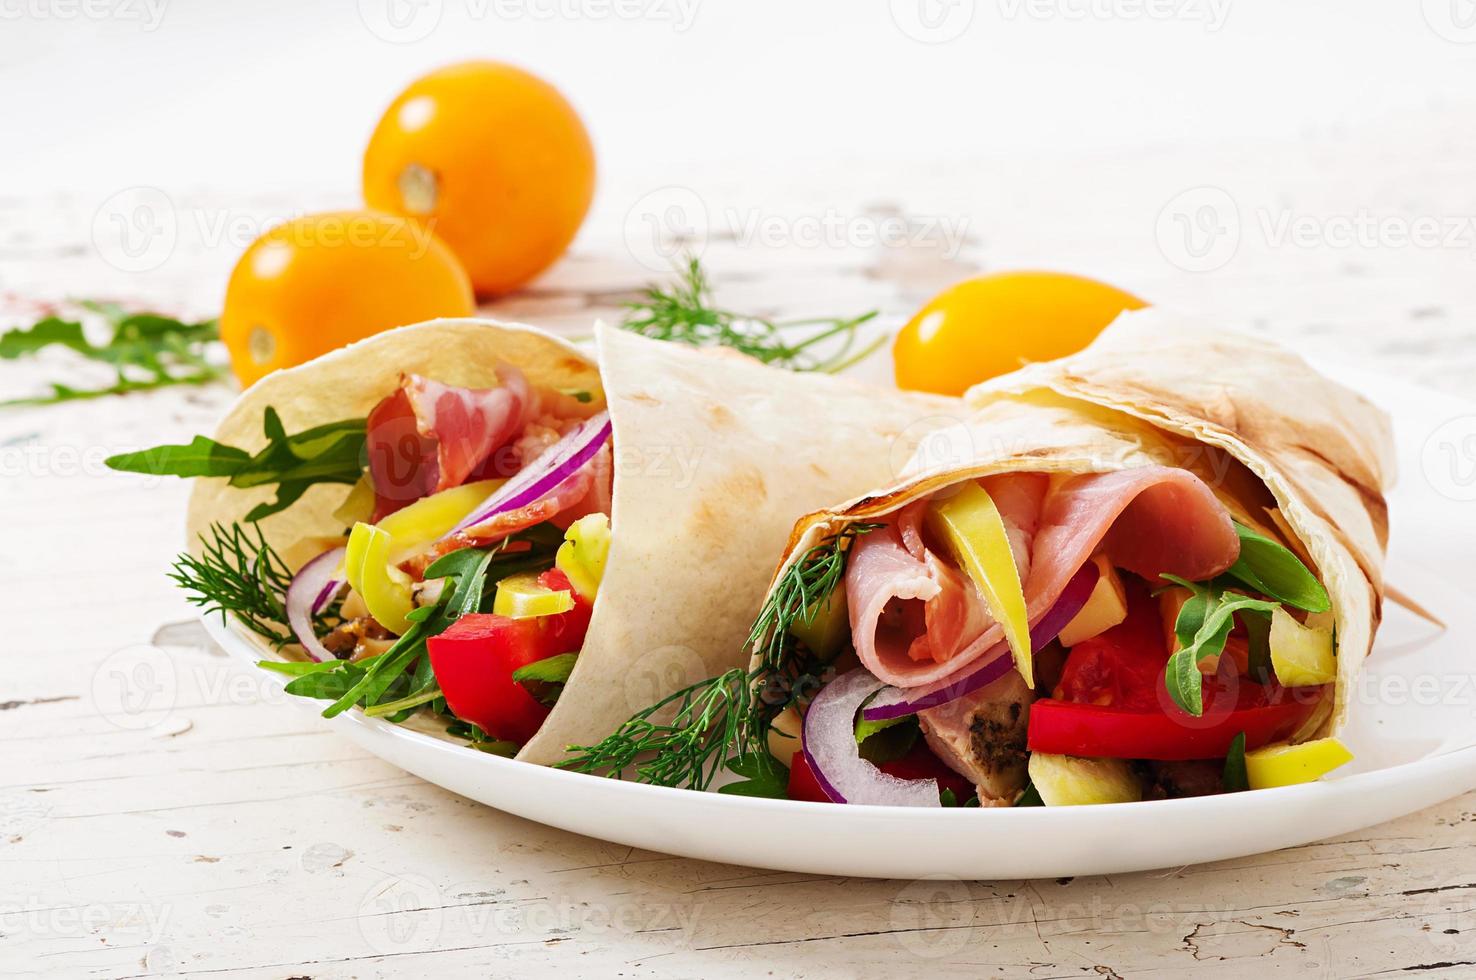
430 436
982 736
1149 520
576 488
911 606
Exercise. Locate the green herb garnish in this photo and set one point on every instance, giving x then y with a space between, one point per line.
330 453
145 350
544 679
725 720
238 574
550 670
1203 626
1235 779
1273 570
763 775
707 727
685 314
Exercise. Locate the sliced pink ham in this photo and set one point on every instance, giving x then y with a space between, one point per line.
430 436
1150 520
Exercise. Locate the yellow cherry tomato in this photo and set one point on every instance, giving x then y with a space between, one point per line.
994 324
492 158
318 282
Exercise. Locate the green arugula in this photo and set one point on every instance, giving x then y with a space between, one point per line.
544 679
480 740
240 574
466 572
1273 570
1203 626
686 314
1235 779
763 775
145 350
550 670
329 453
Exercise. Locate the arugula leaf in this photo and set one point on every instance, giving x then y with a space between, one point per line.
544 679
1235 779
146 350
328 453
1203 626
480 740
1273 570
764 776
550 670
1029 796
891 742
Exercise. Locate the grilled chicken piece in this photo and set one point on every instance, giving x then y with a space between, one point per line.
982 736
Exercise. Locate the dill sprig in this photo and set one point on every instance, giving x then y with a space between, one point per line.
236 574
725 720
801 590
707 727
685 313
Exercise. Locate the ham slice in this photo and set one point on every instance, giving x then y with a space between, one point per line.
430 436
1149 520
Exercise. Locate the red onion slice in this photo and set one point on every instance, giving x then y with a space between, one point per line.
539 478
830 747
530 484
311 588
896 702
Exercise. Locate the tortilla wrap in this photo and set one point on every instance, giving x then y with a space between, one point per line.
716 455
1288 451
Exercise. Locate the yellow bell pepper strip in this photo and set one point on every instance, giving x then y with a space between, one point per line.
583 554
428 519
385 589
1301 656
1065 780
970 524
522 596
1287 765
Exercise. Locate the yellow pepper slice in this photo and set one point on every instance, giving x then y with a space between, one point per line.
384 588
521 596
969 523
1301 655
1287 765
583 554
416 525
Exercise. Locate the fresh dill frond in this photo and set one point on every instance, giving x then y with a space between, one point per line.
235 574
799 592
684 313
708 727
725 719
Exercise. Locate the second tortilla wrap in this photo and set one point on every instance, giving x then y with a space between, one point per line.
1287 450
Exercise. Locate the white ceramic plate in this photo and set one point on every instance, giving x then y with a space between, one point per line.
1413 731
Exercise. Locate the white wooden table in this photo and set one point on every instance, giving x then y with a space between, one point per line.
160 814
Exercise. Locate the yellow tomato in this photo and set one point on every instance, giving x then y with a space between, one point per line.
324 280
494 160
993 324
